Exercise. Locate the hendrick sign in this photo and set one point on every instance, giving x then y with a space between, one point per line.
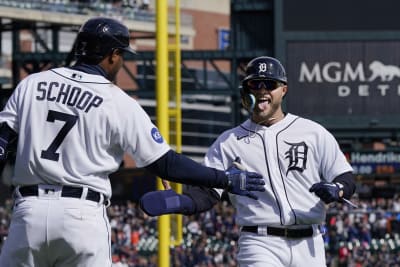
375 162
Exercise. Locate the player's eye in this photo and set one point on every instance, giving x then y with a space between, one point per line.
266 84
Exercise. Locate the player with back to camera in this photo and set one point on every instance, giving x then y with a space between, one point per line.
72 126
303 167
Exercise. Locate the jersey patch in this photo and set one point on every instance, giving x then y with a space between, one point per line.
297 155
155 134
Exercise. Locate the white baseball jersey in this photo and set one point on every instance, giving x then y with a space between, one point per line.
74 128
292 155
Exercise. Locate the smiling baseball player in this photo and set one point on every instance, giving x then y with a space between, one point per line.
73 127
303 167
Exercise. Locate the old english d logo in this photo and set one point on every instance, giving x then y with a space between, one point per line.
262 67
297 155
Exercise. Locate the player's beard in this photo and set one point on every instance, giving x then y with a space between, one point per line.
267 113
114 66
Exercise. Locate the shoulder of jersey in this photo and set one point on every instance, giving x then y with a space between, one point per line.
307 123
79 76
232 133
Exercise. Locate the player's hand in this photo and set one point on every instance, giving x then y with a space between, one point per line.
242 182
156 203
327 192
166 184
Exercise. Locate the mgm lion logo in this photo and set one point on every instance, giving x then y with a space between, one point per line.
384 72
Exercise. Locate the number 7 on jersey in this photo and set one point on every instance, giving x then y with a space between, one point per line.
70 120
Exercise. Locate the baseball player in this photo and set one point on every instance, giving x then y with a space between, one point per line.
73 126
303 167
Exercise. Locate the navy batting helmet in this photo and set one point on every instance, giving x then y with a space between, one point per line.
100 36
265 68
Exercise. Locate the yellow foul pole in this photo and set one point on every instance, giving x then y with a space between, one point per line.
162 94
178 110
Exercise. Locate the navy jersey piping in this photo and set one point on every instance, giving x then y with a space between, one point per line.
268 169
108 234
280 169
76 80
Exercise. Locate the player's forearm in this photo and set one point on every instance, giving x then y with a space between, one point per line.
203 198
348 182
179 168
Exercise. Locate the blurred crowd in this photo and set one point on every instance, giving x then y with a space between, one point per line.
367 236
363 237
209 238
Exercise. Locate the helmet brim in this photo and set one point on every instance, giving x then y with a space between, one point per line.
263 77
129 50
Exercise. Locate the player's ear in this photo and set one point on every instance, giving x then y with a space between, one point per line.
112 57
284 90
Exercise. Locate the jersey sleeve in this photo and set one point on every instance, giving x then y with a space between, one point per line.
333 161
140 137
9 114
213 159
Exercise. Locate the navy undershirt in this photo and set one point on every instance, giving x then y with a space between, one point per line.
176 167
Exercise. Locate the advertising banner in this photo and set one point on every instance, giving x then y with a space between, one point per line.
375 162
342 78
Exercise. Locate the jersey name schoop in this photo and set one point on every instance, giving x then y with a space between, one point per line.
67 94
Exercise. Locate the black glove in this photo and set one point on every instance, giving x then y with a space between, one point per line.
242 182
328 192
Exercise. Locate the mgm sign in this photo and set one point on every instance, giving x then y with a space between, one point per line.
344 73
343 78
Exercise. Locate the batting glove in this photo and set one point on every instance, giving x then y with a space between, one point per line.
328 192
156 203
241 182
